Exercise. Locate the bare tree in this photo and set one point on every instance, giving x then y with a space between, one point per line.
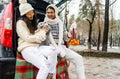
99 29
88 11
106 26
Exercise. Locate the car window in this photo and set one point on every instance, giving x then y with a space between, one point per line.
1 10
1 14
1 7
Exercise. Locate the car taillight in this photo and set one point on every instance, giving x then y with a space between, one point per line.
6 36
7 40
7 33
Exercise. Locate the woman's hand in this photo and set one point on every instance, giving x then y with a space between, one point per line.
46 29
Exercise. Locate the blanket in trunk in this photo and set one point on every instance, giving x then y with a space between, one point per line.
25 70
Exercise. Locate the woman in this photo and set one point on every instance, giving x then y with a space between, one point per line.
29 42
58 33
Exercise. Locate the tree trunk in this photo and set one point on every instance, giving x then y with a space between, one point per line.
89 39
89 35
106 26
111 40
119 42
66 19
99 29
112 26
99 36
90 29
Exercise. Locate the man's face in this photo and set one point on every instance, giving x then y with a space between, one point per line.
50 13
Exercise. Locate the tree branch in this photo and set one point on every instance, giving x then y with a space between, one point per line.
112 2
88 20
94 13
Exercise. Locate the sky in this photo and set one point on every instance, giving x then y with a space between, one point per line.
117 9
74 8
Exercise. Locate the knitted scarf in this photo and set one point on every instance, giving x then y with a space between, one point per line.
52 22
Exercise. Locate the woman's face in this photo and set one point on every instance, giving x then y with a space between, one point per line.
50 13
30 15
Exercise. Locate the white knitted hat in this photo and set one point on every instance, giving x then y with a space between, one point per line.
24 7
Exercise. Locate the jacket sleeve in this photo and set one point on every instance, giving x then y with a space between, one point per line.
24 33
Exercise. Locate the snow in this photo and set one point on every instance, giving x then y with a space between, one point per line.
82 47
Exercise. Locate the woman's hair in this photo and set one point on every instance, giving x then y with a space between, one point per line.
31 24
50 7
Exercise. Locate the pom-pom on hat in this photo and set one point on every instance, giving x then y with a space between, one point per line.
24 7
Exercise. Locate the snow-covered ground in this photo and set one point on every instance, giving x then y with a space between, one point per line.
98 68
81 47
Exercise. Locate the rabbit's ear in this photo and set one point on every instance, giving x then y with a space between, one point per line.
40 25
45 23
